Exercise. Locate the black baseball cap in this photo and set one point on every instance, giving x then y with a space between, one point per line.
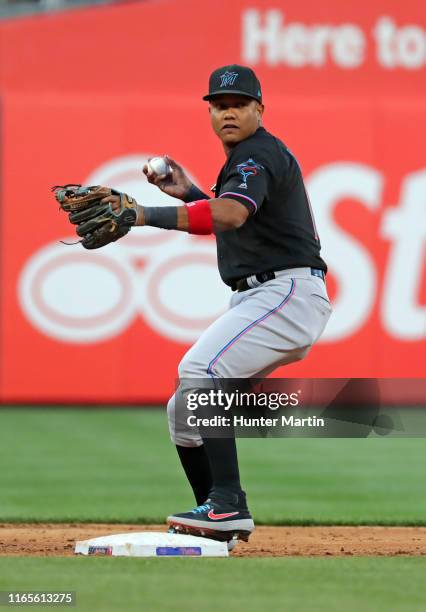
234 79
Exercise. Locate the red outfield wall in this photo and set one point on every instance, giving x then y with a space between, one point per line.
88 95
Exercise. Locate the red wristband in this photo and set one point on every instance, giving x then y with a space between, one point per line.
200 220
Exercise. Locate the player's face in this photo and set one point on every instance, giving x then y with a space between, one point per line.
235 117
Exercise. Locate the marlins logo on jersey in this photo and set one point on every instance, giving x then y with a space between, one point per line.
246 169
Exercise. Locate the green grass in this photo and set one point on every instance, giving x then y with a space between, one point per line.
119 465
176 585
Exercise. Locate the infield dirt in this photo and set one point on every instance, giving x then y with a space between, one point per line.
50 539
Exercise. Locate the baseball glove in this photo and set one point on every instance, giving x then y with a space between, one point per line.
97 223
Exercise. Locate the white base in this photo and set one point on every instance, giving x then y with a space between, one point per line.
152 544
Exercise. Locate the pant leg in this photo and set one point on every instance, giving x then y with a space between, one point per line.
180 433
272 325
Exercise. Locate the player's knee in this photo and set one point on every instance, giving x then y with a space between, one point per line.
171 407
180 432
180 435
196 365
171 418
192 367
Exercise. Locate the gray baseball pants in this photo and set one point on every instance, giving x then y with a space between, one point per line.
271 325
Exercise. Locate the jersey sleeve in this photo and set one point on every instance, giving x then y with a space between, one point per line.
247 179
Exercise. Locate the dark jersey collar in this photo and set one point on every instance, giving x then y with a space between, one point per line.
260 130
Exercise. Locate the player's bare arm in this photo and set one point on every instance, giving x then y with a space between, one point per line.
226 214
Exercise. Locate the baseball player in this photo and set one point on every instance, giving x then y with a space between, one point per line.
268 253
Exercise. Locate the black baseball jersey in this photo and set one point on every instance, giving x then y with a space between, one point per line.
280 233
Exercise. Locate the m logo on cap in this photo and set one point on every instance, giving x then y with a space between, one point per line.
228 78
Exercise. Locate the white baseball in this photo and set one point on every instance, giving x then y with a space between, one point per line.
159 166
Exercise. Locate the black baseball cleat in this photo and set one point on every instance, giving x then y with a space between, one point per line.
219 520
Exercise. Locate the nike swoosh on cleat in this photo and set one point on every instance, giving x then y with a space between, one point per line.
218 517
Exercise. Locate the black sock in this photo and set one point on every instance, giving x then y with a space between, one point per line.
197 469
222 456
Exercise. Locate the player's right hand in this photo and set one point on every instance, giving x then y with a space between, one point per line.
175 184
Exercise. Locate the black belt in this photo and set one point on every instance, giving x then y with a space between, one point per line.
263 277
